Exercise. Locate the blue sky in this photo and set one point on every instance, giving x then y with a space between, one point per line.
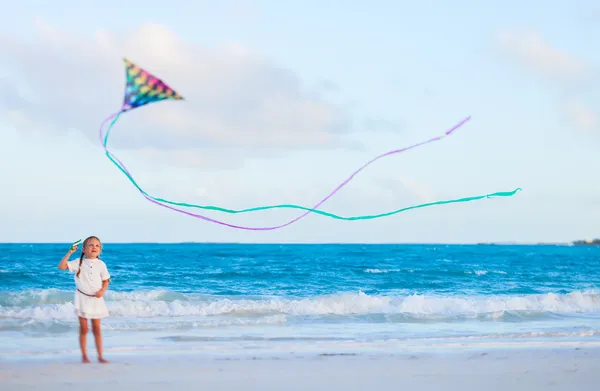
285 100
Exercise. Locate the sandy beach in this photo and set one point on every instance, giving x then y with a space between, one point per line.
273 317
563 368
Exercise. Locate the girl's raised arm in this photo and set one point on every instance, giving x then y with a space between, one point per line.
63 262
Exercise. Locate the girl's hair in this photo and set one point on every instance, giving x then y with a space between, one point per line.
85 242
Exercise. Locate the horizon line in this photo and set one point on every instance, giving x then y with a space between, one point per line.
315 243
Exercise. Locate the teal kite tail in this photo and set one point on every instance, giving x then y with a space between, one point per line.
162 201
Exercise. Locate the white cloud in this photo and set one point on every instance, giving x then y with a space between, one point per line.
532 50
572 75
582 116
234 97
377 124
400 187
189 158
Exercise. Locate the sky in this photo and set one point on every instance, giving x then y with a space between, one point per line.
284 100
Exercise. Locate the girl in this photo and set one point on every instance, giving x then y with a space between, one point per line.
91 281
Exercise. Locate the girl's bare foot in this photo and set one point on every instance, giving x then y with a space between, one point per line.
85 360
102 360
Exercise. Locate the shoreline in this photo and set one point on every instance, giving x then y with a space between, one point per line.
516 368
283 349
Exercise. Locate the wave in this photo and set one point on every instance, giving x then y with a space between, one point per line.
477 272
52 304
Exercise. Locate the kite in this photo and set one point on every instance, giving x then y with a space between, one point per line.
75 243
143 88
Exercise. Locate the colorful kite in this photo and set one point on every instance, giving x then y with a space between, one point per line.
143 88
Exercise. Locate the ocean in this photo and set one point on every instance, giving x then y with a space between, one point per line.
248 300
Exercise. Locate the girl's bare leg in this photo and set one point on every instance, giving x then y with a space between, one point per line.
83 329
98 339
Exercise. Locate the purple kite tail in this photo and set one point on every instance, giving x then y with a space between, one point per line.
122 167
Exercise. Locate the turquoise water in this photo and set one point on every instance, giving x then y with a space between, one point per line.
242 299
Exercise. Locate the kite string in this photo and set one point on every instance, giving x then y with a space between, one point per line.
122 167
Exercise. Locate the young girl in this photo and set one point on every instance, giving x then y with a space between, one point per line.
91 281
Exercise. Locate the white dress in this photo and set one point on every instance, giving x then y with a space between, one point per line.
93 272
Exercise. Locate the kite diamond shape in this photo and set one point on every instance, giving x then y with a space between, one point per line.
142 88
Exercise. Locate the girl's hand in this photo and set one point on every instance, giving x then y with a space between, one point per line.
100 293
74 246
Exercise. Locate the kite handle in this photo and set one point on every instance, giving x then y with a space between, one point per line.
74 245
